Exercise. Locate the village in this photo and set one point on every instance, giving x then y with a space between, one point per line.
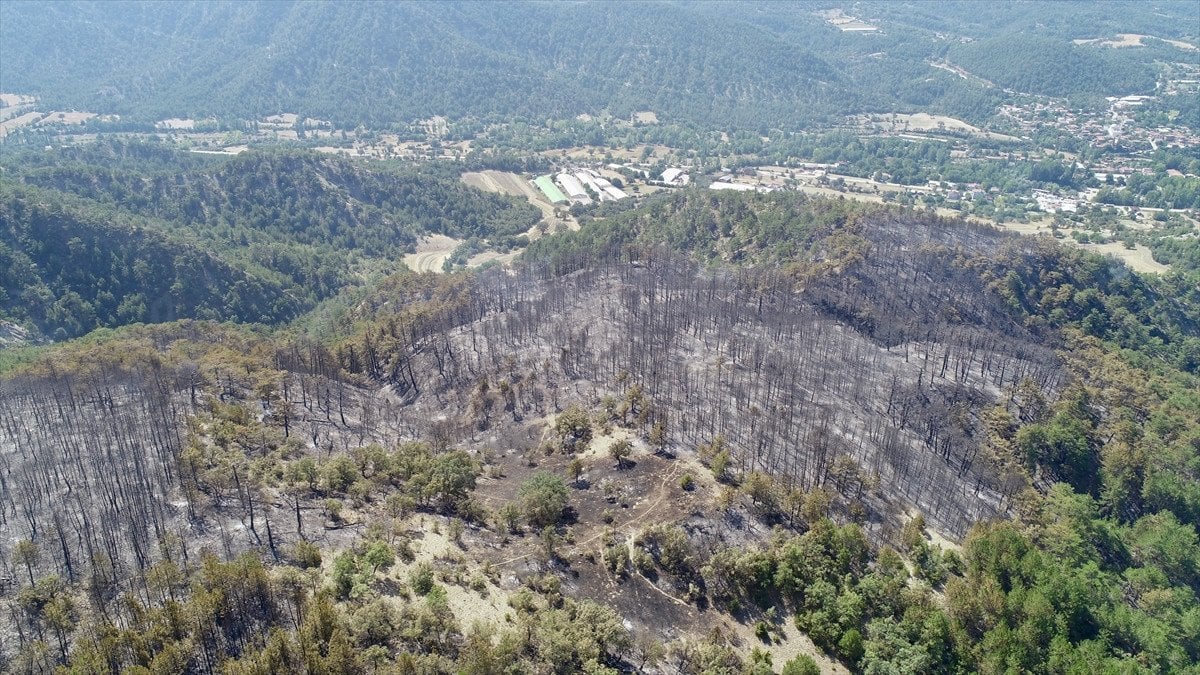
1122 145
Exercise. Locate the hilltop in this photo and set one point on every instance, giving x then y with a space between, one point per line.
863 381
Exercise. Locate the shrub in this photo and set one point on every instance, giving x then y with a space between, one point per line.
421 579
306 555
339 474
574 429
543 498
801 665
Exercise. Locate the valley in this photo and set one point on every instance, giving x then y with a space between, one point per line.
670 338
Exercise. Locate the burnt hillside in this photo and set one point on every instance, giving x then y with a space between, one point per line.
892 366
885 367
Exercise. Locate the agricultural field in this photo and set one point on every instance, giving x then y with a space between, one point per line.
507 183
595 152
1131 40
432 252
8 126
503 182
72 117
1138 258
926 123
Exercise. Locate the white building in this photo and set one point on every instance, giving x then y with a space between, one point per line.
723 185
599 185
674 176
574 189
1051 203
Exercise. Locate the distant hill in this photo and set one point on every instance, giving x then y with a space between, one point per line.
1054 67
68 269
747 65
116 233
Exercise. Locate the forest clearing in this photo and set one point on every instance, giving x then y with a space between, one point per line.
432 253
925 122
1132 40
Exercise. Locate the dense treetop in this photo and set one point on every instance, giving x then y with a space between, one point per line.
116 233
750 65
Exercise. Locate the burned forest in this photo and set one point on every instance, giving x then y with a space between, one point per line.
601 338
620 423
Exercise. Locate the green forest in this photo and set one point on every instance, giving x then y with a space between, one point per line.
751 67
116 233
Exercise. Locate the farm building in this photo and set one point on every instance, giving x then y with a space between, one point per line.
600 185
551 190
586 178
723 185
674 176
574 189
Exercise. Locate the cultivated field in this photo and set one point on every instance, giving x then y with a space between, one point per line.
503 182
1131 40
507 183
1138 258
432 252
7 126
925 122
66 118
493 256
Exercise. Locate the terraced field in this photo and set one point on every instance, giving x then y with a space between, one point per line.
508 183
